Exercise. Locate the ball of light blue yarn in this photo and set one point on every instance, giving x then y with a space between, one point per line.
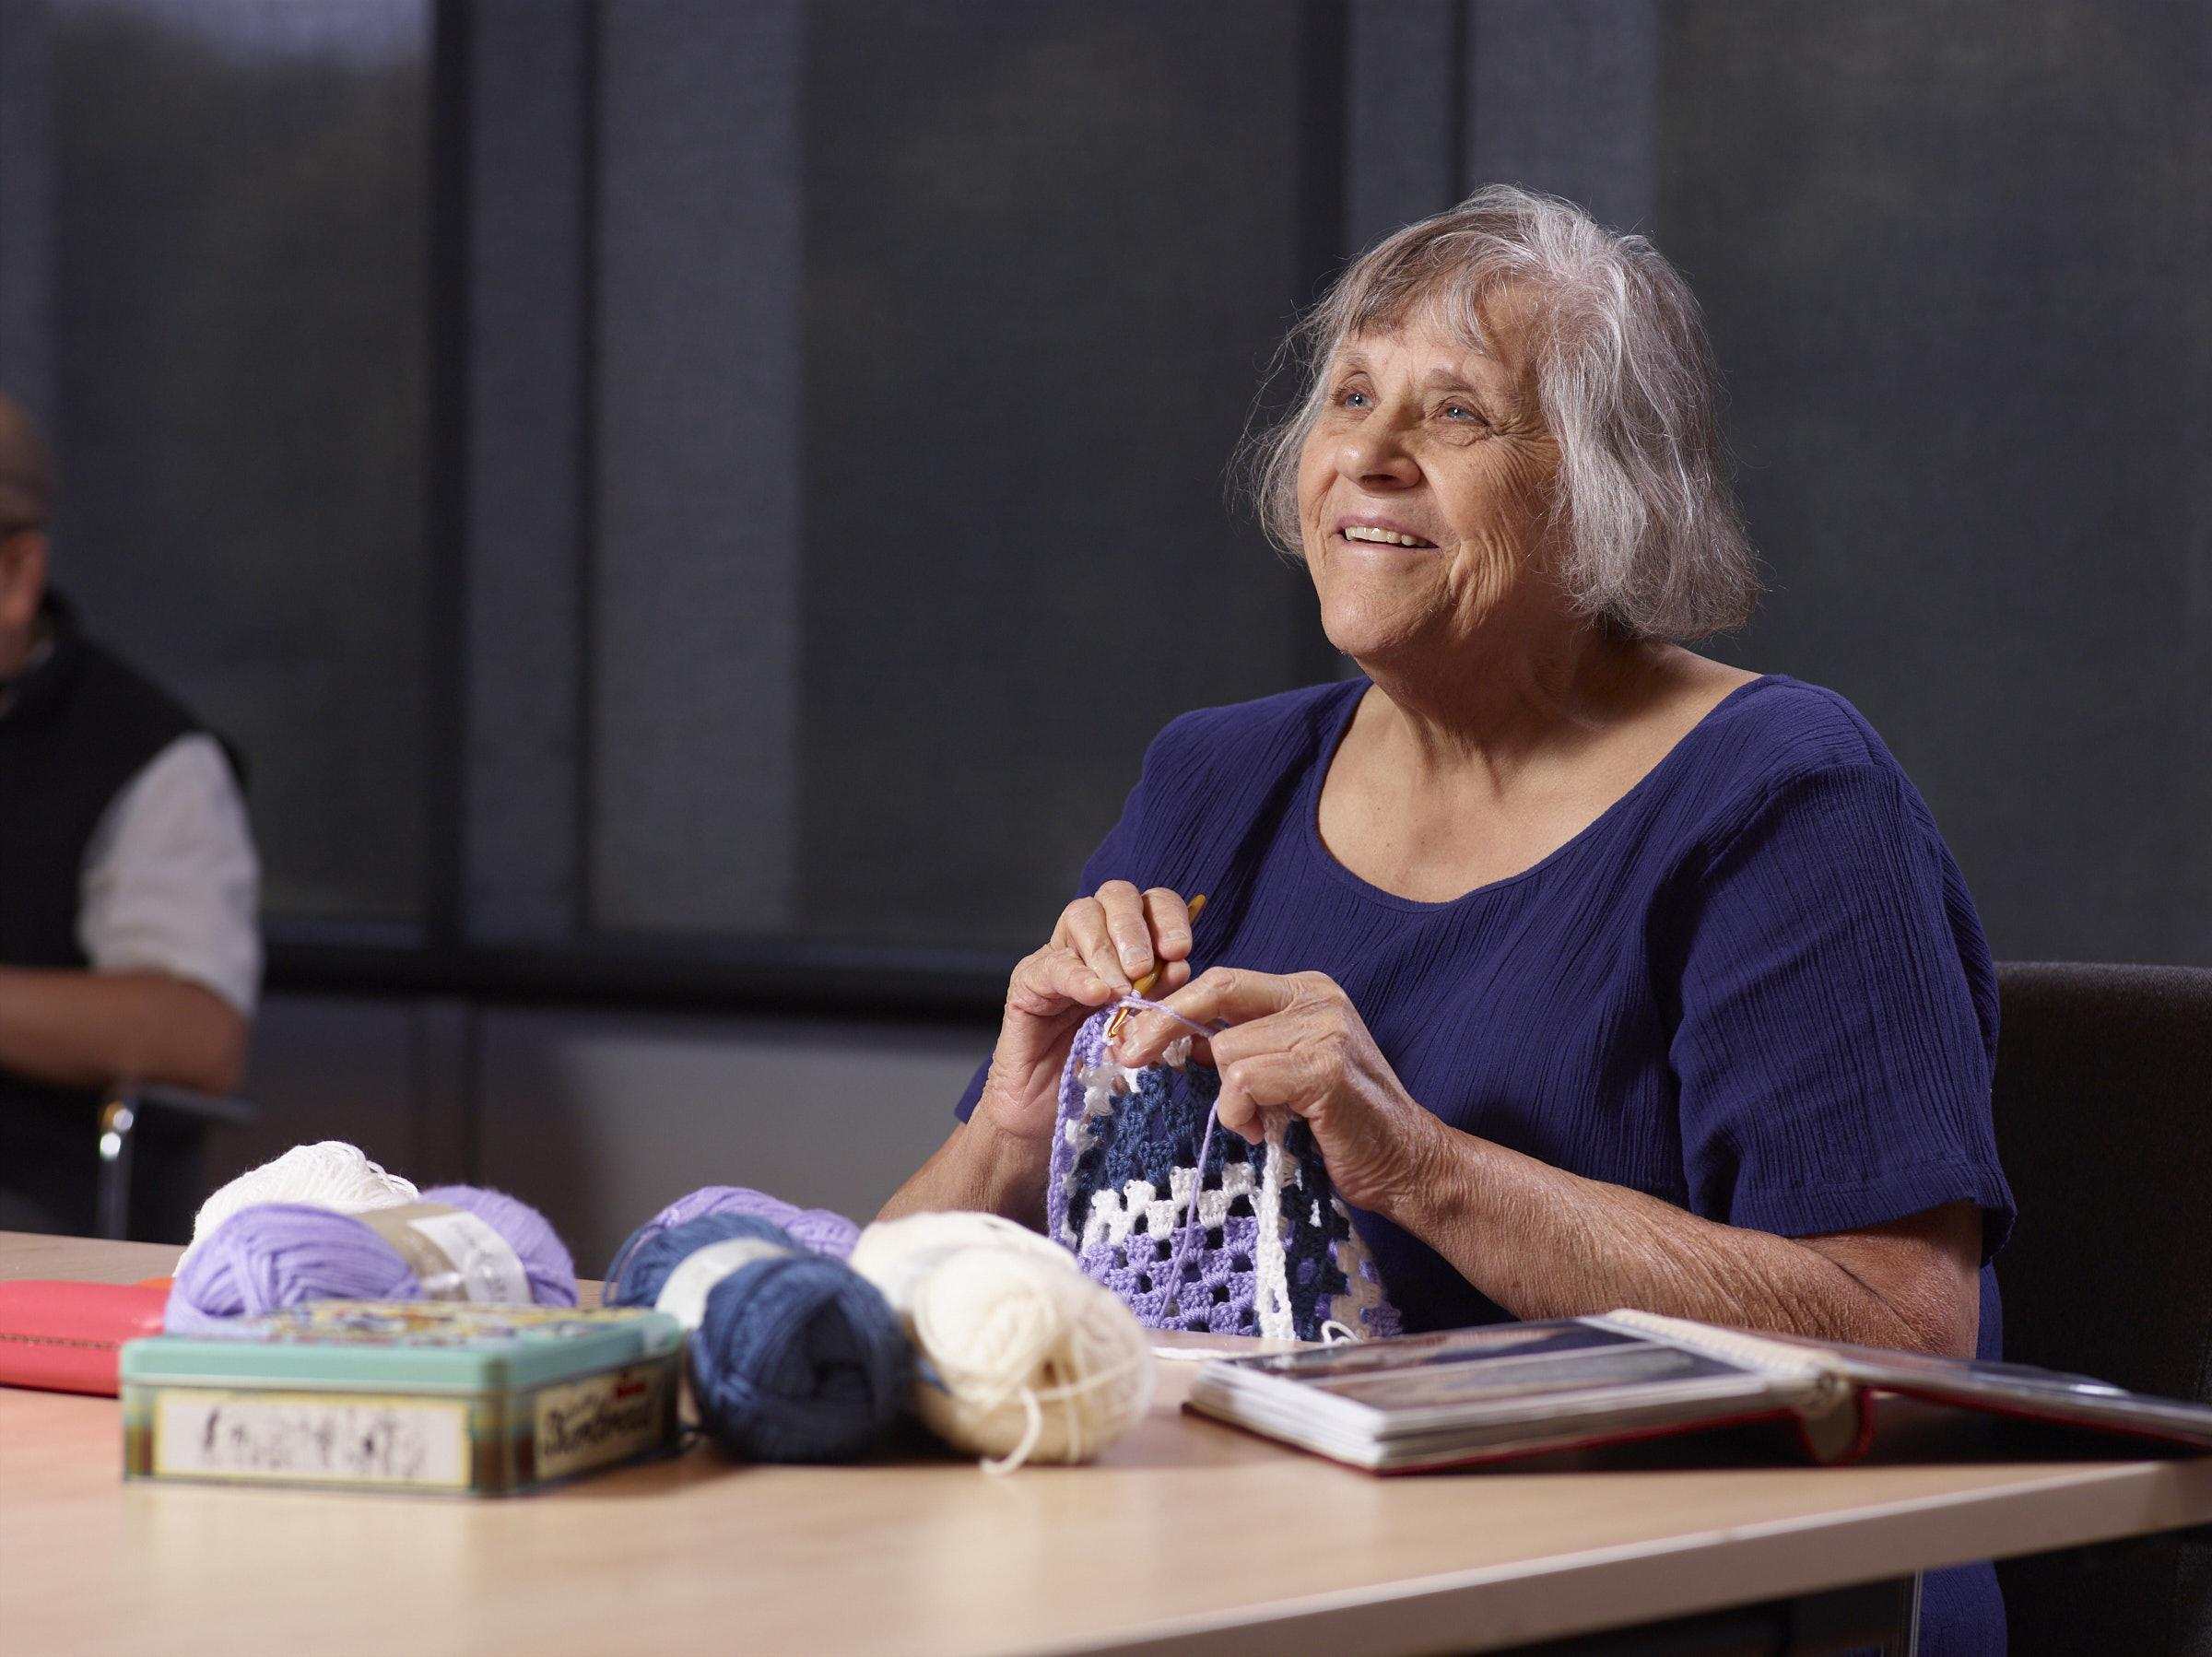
796 1359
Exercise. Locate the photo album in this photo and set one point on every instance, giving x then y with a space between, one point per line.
1463 1396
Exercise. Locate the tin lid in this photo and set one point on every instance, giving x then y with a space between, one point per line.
432 1346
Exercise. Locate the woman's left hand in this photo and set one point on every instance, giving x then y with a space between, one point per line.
1297 1043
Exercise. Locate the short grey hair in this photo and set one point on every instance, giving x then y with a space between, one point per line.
1651 542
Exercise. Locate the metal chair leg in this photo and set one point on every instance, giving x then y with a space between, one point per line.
118 1117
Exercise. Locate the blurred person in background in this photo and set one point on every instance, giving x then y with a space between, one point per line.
129 886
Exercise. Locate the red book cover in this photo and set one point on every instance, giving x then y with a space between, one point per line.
65 1337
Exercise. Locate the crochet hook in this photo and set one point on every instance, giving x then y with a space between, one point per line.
1144 985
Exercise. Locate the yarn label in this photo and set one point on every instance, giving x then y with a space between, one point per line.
304 1437
455 1254
586 1423
684 1294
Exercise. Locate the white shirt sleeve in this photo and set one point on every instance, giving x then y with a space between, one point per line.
171 882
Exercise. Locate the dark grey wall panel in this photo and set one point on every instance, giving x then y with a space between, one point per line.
241 214
526 339
1050 249
1405 136
847 387
26 209
395 1077
695 580
1955 260
1563 97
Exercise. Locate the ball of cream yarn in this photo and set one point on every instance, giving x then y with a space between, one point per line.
1026 1358
894 1254
331 1175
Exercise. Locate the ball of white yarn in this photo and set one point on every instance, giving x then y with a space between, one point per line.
331 1175
1031 1360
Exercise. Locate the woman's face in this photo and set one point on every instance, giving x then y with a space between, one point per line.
1422 439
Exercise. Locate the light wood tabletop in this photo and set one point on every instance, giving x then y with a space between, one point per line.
1187 1534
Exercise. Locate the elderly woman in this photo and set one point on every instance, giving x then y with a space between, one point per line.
1603 973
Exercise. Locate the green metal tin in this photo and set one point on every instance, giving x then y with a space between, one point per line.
441 1397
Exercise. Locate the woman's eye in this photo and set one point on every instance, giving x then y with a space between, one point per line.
1352 398
1463 411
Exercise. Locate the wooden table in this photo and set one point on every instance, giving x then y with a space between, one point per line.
1188 1535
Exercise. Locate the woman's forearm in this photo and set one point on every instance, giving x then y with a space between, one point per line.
1544 1243
980 1168
89 1030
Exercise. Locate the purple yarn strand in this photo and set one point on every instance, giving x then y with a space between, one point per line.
1190 1214
1137 1003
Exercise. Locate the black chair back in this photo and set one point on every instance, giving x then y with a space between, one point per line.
2103 1102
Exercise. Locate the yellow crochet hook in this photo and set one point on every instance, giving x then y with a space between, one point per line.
1113 1025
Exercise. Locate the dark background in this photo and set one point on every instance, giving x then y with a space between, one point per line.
694 510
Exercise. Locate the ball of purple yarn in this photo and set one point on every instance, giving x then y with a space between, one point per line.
815 1229
546 1259
278 1254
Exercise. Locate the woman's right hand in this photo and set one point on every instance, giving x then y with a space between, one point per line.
1102 945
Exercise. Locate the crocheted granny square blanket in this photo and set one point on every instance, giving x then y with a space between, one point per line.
1270 1250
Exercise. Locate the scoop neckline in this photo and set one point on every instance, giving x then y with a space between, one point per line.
1309 807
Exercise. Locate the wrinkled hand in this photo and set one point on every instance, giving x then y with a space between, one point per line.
1297 1043
1100 946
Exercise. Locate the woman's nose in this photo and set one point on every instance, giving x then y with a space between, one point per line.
1375 459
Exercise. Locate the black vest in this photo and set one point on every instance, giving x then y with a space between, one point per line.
77 728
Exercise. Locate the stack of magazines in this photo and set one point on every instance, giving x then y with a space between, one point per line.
1470 1395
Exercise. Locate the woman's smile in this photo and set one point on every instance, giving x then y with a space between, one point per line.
1373 530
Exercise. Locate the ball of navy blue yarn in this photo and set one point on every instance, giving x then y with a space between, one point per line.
798 1358
642 1263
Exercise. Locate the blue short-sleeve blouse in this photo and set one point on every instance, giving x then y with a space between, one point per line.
1754 987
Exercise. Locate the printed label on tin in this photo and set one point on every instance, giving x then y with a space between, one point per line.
603 1418
297 1437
